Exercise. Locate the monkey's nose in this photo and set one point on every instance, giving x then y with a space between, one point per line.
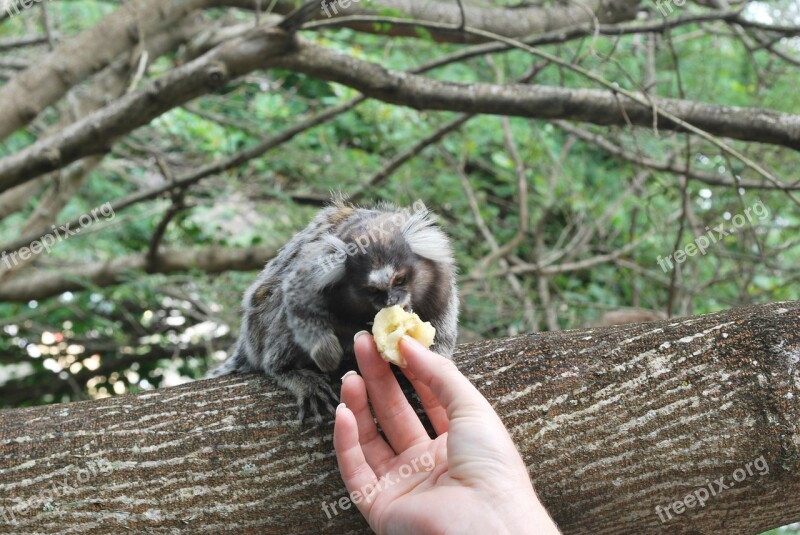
401 300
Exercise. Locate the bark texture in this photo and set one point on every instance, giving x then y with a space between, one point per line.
612 422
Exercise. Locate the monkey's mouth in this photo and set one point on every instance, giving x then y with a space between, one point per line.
409 310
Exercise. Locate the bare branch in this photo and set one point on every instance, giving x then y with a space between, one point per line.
264 47
522 199
398 160
590 105
41 285
20 42
521 21
69 64
712 179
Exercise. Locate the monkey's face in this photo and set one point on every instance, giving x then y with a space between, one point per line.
379 277
389 286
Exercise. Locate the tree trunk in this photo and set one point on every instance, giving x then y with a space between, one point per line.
613 423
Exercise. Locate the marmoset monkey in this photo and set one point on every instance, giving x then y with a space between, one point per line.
328 283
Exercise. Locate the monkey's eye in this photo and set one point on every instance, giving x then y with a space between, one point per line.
399 280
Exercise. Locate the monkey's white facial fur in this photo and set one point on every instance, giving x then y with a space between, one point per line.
387 286
380 278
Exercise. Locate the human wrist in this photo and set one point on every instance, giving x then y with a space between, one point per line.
522 513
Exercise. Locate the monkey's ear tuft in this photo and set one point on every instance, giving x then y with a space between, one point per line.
338 215
426 239
386 206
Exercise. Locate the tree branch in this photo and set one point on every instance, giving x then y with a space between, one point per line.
41 285
265 47
590 105
712 179
25 96
611 423
20 42
513 22
211 169
94 133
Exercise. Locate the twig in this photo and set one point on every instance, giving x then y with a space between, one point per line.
46 24
398 160
522 194
712 179
140 70
19 42
611 86
513 280
463 15
294 20
178 204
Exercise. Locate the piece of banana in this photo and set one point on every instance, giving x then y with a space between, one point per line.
389 327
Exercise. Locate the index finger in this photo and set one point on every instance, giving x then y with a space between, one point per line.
397 418
455 393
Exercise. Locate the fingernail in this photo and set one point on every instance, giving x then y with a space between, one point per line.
359 333
340 406
351 372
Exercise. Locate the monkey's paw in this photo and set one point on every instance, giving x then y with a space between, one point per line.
327 352
315 396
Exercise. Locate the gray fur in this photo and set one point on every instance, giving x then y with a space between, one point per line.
302 311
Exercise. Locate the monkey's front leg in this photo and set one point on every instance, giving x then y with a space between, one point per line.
308 319
307 315
314 334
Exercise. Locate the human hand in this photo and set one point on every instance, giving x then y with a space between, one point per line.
469 479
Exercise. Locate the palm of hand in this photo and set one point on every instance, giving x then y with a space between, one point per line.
428 499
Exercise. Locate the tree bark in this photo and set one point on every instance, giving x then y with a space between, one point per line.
612 423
